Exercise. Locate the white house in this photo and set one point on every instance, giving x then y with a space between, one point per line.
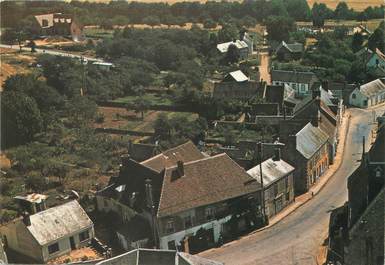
241 45
301 82
369 94
48 234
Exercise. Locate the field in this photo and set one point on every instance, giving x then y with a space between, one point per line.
358 5
153 99
370 24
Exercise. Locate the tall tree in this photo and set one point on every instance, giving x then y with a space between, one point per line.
377 40
357 41
279 28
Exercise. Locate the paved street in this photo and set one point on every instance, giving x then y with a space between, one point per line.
297 238
52 52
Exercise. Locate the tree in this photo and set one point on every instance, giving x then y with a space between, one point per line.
298 9
20 118
320 12
377 40
151 21
357 41
141 105
232 55
81 110
162 127
209 24
279 28
342 11
228 32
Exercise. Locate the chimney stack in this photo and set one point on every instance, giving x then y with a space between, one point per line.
180 168
26 219
277 154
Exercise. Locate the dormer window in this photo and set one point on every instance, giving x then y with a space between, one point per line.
378 172
170 226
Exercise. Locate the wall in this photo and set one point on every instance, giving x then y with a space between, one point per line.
20 240
235 90
271 198
358 101
106 205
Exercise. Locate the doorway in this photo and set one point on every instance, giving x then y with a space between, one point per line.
72 242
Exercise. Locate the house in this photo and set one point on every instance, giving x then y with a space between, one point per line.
308 151
289 51
374 61
236 85
369 94
301 82
241 46
278 183
140 152
356 233
50 233
184 196
142 256
60 24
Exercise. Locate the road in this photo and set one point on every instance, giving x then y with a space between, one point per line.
53 52
298 237
264 67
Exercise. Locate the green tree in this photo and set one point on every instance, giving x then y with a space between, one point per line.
377 40
228 32
357 41
320 12
20 118
162 127
141 105
342 11
279 28
232 55
298 9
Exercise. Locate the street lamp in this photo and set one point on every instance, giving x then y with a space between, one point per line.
260 144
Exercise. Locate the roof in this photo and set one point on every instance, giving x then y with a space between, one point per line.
143 256
293 76
380 54
271 171
185 152
237 76
59 221
204 182
373 88
292 47
310 139
223 47
33 197
53 18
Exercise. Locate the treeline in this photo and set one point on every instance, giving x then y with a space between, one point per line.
245 13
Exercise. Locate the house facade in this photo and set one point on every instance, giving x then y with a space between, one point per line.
278 183
308 150
301 82
241 45
60 24
49 234
369 94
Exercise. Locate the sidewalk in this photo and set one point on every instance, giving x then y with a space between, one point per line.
317 187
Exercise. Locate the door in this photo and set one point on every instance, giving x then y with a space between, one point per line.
72 242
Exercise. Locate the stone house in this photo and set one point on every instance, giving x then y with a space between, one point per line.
241 45
369 94
50 233
301 82
308 151
59 24
142 256
236 85
289 51
278 183
374 61
360 223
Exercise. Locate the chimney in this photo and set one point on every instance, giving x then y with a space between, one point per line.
130 144
125 160
149 198
26 219
180 168
277 154
316 92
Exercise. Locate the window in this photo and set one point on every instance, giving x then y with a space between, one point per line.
275 190
303 87
287 183
171 245
105 203
170 226
365 102
84 236
187 222
210 213
44 22
378 172
53 248
288 196
354 96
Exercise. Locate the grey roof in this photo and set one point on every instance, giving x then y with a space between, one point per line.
223 47
310 139
143 256
271 171
292 47
293 76
238 76
373 88
59 221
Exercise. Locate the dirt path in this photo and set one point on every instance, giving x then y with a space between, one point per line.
264 67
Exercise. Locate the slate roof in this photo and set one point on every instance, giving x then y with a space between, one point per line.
292 47
59 221
293 76
274 93
310 139
143 256
271 171
185 152
373 88
205 181
223 47
237 76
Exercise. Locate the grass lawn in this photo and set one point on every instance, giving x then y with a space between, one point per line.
98 33
152 98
